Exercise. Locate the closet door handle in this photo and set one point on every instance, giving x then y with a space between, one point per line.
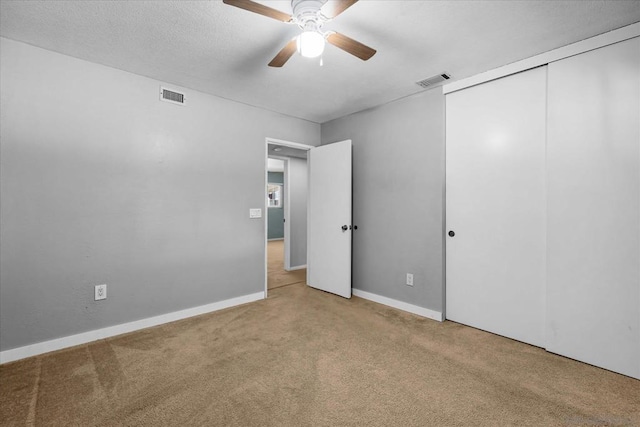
345 228
451 233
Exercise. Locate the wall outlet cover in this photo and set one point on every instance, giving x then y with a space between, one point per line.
409 279
100 292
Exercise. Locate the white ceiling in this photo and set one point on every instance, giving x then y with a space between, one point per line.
224 51
284 151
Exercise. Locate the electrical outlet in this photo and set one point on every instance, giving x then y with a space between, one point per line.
409 279
100 292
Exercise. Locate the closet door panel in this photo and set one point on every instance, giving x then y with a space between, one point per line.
593 164
495 188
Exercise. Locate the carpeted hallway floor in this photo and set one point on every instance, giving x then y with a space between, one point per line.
277 276
303 357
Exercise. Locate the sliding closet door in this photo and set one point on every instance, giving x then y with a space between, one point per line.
495 187
594 207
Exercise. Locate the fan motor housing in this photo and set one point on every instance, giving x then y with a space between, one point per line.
308 12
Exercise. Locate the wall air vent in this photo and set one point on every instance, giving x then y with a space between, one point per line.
172 96
433 81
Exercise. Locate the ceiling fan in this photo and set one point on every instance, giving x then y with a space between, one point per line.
310 16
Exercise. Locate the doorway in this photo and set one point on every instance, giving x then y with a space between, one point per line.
286 203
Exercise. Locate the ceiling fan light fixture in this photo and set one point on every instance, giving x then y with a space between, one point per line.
310 44
310 16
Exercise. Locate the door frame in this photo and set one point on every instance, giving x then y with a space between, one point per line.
285 207
287 224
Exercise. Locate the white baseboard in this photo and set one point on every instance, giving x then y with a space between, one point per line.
400 305
98 334
297 267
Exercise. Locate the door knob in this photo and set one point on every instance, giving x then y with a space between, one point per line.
451 233
345 228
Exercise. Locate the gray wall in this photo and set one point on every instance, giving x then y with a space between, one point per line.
297 183
102 183
275 219
398 197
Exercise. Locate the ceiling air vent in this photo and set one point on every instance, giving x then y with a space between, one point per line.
172 96
433 81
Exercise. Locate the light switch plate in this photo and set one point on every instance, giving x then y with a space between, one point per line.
255 213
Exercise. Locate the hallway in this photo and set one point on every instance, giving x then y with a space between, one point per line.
277 276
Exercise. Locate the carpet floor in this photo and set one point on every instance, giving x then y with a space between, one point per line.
277 276
303 357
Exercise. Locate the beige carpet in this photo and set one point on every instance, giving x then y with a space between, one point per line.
277 276
307 358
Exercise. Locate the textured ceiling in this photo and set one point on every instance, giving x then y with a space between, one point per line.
224 51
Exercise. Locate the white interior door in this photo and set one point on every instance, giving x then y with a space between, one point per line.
329 216
495 186
594 207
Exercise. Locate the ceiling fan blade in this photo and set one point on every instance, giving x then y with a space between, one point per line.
283 56
351 46
261 9
331 9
